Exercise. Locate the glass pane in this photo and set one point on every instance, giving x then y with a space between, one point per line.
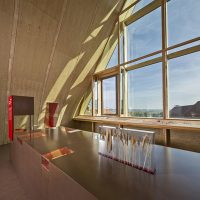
114 58
183 20
86 107
184 86
145 91
109 95
145 35
88 110
141 4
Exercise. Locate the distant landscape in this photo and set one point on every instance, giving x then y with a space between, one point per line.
145 112
186 111
138 112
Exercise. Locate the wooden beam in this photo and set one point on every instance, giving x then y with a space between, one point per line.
184 52
142 57
129 7
144 11
125 78
106 73
118 81
124 92
145 63
183 43
118 37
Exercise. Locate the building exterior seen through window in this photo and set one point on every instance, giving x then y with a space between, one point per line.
184 86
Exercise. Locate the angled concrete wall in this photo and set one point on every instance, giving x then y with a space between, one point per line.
49 49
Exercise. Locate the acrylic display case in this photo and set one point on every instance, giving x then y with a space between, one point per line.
129 146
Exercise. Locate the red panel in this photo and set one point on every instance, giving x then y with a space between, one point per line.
50 114
52 110
10 117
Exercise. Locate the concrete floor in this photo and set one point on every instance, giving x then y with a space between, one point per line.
10 187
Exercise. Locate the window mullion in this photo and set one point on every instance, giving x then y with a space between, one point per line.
125 80
164 60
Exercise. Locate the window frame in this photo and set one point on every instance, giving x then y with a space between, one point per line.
116 100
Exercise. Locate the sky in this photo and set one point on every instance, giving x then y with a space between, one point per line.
144 36
109 94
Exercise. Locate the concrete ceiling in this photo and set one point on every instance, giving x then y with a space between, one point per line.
49 49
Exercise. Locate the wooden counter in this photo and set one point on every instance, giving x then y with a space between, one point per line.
85 174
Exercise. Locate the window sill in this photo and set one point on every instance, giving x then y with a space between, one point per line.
146 123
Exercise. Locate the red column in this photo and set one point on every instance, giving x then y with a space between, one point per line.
10 117
52 111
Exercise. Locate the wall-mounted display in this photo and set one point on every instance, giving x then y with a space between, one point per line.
19 105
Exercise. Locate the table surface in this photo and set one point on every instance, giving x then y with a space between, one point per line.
177 175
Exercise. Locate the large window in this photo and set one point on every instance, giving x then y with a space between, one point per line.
145 91
109 93
164 84
144 36
183 20
184 86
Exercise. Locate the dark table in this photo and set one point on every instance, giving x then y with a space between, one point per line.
177 176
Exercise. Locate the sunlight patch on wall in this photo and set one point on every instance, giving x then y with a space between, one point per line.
85 102
60 82
21 121
94 33
107 53
62 112
109 14
89 65
69 96
24 122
